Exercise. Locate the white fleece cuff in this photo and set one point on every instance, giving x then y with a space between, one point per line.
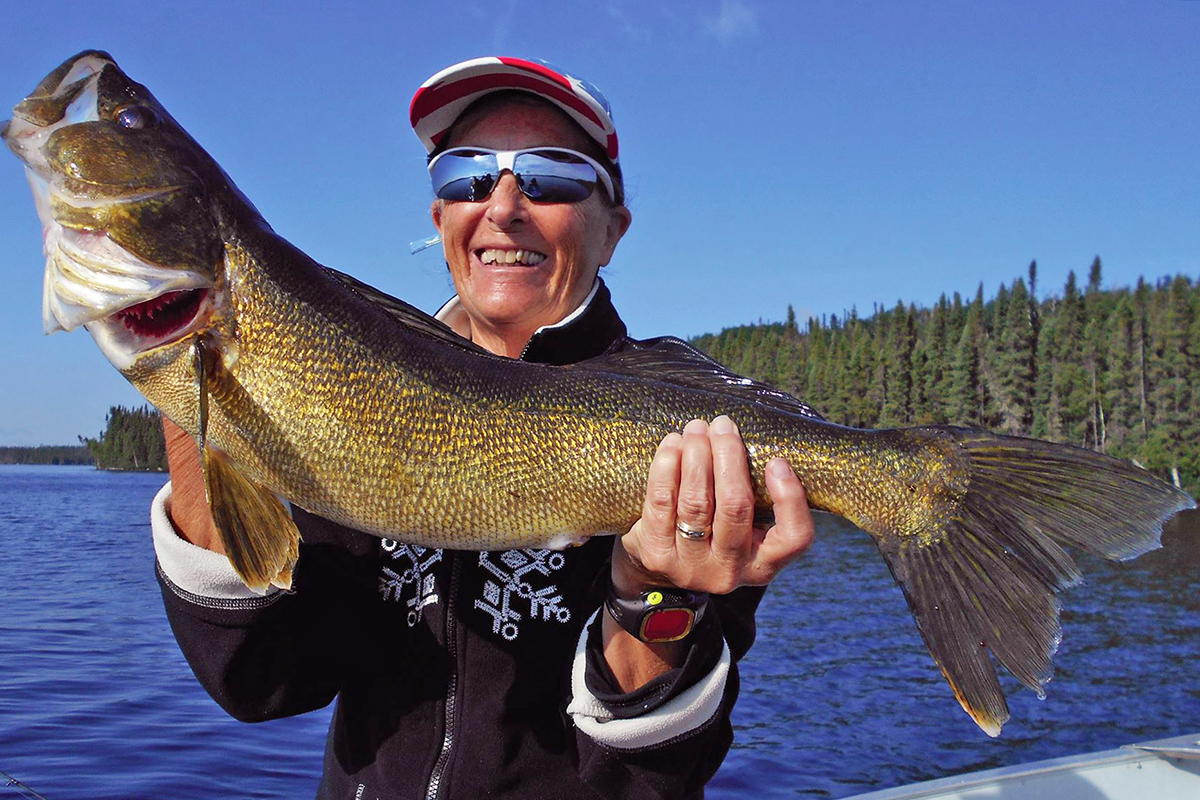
191 568
677 717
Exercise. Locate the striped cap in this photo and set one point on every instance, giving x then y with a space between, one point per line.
445 96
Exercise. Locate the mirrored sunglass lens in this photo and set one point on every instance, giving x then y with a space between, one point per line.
553 189
463 177
473 188
551 180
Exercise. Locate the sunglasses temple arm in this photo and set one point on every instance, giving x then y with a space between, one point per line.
424 244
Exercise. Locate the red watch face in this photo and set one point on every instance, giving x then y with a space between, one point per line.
667 624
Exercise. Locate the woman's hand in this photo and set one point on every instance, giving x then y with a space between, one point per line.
701 480
189 501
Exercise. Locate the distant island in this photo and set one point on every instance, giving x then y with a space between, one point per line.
132 439
47 454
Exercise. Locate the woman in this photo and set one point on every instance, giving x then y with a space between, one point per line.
462 674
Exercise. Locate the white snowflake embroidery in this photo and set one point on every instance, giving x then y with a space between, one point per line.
417 571
511 582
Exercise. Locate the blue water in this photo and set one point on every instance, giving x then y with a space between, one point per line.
839 695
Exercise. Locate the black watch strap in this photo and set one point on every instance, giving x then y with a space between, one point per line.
658 615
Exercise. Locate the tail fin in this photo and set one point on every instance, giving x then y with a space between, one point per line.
990 583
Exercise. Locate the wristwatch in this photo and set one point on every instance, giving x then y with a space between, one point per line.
658 615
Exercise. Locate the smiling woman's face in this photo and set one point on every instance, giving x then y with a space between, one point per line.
518 265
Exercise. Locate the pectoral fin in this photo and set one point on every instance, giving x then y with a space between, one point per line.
260 538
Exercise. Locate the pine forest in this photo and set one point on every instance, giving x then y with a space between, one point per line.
1114 370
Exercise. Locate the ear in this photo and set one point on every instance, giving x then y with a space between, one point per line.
619 219
435 213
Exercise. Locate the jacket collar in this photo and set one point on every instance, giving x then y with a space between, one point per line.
586 332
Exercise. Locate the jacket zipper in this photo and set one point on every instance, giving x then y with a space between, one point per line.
433 792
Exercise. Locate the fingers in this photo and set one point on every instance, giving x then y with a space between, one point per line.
733 512
662 492
189 509
700 479
794 529
694 507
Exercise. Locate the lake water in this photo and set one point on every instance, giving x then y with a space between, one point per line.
839 695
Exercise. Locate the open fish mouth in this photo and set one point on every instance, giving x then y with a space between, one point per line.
129 303
151 324
164 317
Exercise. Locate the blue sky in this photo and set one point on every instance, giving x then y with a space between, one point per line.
826 155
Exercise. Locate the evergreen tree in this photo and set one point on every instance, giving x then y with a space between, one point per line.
1120 397
1015 357
1094 351
817 386
941 385
1072 387
857 378
1047 404
1141 344
1035 321
968 395
839 381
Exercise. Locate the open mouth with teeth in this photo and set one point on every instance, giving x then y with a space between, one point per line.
125 335
526 258
163 318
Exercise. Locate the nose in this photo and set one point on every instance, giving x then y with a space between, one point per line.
506 205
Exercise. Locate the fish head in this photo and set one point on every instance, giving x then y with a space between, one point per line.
130 208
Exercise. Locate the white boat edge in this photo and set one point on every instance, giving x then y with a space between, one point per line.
1164 769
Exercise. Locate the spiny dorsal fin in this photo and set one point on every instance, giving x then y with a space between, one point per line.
665 359
410 316
674 361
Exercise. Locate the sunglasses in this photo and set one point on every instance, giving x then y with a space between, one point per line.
544 174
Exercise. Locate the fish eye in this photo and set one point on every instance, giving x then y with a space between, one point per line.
136 117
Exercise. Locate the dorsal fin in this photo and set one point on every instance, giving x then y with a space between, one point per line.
674 361
410 316
666 359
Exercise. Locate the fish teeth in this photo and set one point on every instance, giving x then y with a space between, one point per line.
122 347
529 258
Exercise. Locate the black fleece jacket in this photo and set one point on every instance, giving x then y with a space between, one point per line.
452 669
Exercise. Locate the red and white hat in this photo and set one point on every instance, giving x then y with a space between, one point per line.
444 97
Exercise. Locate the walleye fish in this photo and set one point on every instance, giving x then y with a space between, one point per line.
300 382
